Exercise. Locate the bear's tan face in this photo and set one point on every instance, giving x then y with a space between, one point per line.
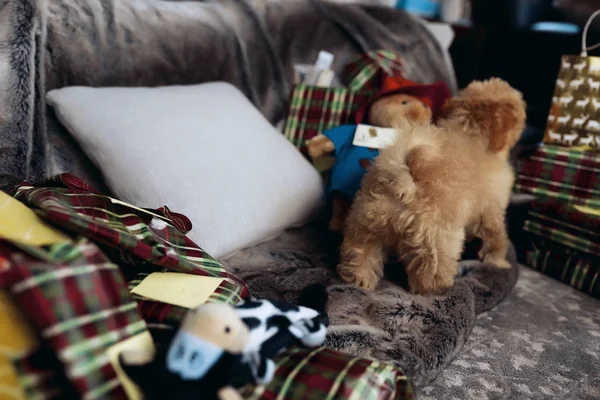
390 111
217 324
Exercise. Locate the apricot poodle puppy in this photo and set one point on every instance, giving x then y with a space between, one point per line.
434 186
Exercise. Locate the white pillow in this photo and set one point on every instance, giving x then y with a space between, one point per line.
202 150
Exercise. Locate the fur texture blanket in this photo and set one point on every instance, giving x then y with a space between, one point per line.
253 44
421 334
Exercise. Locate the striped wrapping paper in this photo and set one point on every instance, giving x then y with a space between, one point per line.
565 237
78 302
329 375
315 109
366 71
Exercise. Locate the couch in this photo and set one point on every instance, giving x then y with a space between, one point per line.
480 340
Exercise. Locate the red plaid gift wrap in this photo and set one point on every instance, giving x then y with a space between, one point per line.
315 109
325 374
140 241
28 369
78 301
40 376
366 72
563 221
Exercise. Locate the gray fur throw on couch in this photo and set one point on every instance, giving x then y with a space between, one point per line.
253 44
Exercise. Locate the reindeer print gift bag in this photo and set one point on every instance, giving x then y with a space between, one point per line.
574 118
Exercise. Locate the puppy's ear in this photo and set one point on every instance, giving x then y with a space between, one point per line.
503 126
500 120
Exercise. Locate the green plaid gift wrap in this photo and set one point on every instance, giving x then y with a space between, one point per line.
315 109
564 241
140 241
323 374
80 305
573 267
40 376
29 369
562 174
366 71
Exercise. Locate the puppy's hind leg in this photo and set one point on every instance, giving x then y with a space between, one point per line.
361 262
432 265
492 232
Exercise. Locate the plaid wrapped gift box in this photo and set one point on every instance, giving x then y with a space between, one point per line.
564 239
28 369
77 300
315 109
366 71
328 375
140 241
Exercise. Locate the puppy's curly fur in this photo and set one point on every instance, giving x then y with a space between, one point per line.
435 185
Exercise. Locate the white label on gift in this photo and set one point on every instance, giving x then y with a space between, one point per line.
374 137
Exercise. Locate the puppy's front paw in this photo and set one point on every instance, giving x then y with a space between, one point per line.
364 277
496 260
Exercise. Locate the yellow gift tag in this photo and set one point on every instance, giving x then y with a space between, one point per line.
141 342
10 388
588 210
16 336
179 289
16 340
21 225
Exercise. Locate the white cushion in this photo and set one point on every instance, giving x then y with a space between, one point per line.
202 150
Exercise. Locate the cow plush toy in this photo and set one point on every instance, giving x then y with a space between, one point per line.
220 348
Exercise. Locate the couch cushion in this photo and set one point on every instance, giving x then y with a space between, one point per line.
202 149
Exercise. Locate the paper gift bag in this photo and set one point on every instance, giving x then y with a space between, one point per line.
366 71
574 118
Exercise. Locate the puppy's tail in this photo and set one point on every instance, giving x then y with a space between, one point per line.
411 161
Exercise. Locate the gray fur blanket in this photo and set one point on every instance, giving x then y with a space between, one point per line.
420 334
253 44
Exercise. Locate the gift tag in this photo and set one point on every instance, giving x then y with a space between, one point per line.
184 290
20 224
141 342
374 137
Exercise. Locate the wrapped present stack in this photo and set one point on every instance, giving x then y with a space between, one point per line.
84 276
563 223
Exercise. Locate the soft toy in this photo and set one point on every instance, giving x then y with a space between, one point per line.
398 99
220 348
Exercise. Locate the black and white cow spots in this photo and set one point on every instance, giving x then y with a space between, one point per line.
275 326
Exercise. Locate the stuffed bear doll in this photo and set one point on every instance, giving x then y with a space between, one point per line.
398 99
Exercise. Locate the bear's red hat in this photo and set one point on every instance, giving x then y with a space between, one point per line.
434 95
